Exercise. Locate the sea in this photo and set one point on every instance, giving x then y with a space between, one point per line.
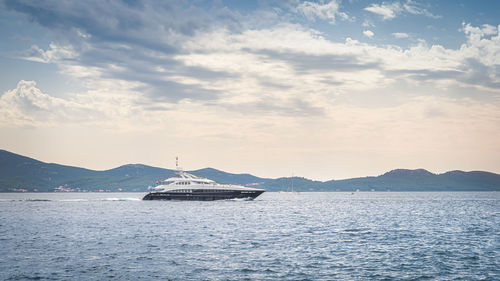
278 236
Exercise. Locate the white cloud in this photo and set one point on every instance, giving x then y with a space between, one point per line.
281 63
53 54
415 8
477 33
389 11
287 61
212 65
27 105
367 23
400 35
368 33
325 11
483 49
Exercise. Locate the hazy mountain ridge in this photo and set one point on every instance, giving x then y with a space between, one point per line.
20 172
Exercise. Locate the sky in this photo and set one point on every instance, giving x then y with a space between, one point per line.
319 89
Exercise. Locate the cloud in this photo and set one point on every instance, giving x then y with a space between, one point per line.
53 54
116 41
368 33
400 35
477 33
26 105
310 63
368 23
141 52
481 56
415 8
325 11
389 11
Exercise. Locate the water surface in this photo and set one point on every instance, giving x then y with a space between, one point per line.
278 236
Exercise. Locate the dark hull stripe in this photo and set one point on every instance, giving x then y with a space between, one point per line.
202 196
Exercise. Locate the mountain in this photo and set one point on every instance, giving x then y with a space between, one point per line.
18 172
421 180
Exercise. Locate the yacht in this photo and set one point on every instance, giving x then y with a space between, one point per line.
186 186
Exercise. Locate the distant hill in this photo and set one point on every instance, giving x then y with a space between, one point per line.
18 172
421 180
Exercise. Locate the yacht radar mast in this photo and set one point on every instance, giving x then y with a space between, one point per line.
179 169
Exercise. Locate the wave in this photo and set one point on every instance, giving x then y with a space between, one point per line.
241 199
70 200
120 199
26 200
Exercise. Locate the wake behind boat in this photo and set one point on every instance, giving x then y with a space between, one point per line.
190 187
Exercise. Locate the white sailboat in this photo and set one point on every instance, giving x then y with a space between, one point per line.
290 190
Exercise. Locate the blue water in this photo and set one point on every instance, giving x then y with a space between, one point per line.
278 236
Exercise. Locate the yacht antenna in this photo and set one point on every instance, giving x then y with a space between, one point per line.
179 169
